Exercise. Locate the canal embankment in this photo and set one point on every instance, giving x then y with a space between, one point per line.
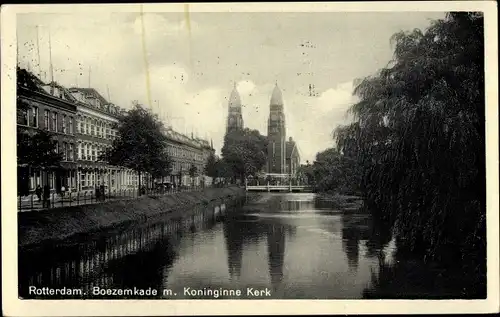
46 226
342 201
345 204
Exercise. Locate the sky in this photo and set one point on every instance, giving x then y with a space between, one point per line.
185 68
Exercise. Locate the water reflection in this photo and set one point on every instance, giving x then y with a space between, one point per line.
294 244
350 245
234 249
276 253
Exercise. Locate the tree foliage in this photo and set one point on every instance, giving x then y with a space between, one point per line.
244 152
193 171
140 143
419 139
306 173
211 166
37 150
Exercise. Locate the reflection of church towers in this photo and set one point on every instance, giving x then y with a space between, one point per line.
234 118
234 245
276 132
276 253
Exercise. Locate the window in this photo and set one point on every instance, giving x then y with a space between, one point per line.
83 177
53 125
70 121
79 151
65 151
78 120
87 126
34 117
87 146
107 132
92 126
22 117
93 153
63 126
46 119
71 148
50 176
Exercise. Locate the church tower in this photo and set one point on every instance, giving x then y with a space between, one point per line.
234 118
276 133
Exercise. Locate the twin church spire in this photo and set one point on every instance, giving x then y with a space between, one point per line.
235 118
282 155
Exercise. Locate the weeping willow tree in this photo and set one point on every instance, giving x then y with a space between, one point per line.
419 140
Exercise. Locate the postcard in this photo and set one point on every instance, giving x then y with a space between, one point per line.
250 158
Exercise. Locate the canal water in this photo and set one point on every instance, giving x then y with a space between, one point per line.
289 246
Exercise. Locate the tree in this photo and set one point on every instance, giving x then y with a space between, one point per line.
193 172
420 143
140 144
34 151
161 166
211 166
327 170
37 150
223 169
244 152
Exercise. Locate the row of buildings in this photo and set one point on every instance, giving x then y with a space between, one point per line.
81 121
283 156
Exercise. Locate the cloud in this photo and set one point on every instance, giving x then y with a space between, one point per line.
245 87
191 66
335 100
319 117
157 26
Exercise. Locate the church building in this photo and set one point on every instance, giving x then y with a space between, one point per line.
234 118
282 155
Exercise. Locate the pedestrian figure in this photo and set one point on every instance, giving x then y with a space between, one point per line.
63 191
46 196
97 193
38 192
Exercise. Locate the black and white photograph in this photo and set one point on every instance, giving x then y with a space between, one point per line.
175 153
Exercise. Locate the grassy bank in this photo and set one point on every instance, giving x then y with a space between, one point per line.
345 202
57 224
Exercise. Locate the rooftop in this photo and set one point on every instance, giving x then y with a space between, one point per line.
182 138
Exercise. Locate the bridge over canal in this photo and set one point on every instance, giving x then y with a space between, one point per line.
278 188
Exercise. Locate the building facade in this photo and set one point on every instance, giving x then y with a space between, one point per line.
95 131
186 152
292 160
283 156
234 117
276 133
48 108
83 124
